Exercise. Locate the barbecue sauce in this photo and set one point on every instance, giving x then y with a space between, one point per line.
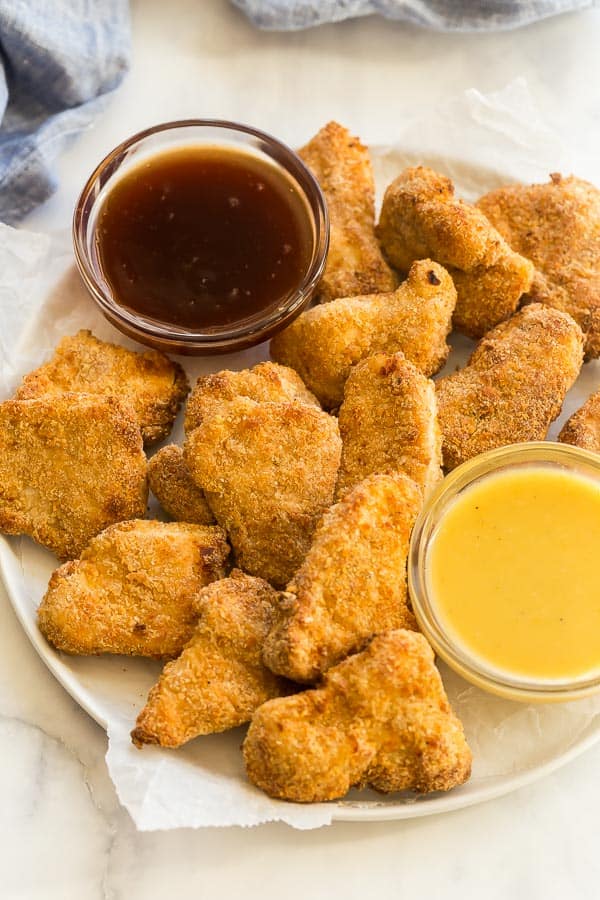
202 237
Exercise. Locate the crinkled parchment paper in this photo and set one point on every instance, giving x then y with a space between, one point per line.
481 142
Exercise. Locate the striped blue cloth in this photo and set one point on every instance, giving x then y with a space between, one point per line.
442 15
57 60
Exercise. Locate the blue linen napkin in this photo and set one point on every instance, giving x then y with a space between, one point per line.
57 59
441 15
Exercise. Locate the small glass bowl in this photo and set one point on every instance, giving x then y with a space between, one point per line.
239 335
536 453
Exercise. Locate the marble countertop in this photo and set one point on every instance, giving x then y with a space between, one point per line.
64 834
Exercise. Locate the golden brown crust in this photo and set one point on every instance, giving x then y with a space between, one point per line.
149 382
381 718
557 226
352 584
70 465
421 217
133 589
173 487
355 263
583 428
325 342
513 386
268 471
219 680
266 382
388 423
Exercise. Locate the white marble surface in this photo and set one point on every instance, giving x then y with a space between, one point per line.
63 833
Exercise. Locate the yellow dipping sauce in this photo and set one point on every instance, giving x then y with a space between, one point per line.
513 573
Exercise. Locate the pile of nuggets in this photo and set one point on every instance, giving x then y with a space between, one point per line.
277 594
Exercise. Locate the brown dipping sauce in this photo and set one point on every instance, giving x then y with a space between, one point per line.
203 236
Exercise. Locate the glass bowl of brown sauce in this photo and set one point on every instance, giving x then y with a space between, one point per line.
201 236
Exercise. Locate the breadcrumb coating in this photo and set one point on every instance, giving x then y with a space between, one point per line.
324 342
583 428
70 465
381 718
219 680
352 584
173 487
133 590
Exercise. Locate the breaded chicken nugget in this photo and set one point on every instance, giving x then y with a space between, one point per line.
557 227
133 589
266 382
325 342
381 718
583 428
513 386
173 487
152 384
421 217
388 423
355 264
219 680
268 471
70 465
352 584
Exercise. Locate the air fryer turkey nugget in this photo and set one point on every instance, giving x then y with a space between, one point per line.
557 226
388 423
381 718
421 217
219 679
355 263
324 342
152 384
513 386
70 465
352 584
583 428
266 382
133 590
268 471
173 487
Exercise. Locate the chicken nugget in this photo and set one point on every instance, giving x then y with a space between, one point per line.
173 487
219 680
583 428
355 263
153 385
381 718
268 471
266 382
388 423
325 342
421 217
133 589
557 226
70 465
352 584
513 386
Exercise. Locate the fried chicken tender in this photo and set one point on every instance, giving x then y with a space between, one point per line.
557 227
352 584
325 342
268 471
381 718
153 385
513 386
421 217
133 589
219 680
583 428
388 423
266 382
355 263
173 487
70 465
